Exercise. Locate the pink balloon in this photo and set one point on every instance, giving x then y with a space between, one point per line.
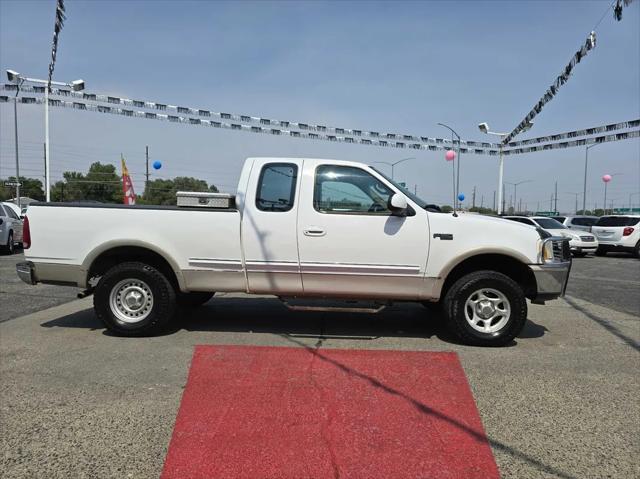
451 155
606 178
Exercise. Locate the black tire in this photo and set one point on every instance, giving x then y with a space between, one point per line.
9 248
465 288
193 299
143 279
636 250
601 252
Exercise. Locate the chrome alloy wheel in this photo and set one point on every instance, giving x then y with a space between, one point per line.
487 310
131 300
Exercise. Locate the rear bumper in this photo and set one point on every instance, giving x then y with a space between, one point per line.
26 272
551 280
51 273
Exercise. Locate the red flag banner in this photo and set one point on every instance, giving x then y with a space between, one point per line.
129 196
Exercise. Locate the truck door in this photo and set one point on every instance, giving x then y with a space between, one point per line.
269 227
350 244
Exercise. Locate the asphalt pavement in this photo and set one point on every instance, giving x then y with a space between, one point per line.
562 401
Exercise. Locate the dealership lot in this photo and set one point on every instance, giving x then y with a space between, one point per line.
561 402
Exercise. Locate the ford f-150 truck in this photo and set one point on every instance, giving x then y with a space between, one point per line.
303 229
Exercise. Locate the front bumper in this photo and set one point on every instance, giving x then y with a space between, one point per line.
26 272
551 280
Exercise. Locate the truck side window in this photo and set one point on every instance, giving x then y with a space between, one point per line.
349 190
277 187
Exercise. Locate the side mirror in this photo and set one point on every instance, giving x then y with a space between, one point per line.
21 217
398 205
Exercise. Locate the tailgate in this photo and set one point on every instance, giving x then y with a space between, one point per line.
608 233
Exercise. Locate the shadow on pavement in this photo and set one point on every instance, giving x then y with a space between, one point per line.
269 315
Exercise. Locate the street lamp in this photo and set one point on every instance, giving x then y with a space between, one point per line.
76 85
453 132
584 189
515 189
606 179
484 128
392 165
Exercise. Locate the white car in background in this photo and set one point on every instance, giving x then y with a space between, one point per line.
580 242
618 233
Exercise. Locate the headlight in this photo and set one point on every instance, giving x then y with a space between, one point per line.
547 251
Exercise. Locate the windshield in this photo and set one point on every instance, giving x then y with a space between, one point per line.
550 224
617 221
416 199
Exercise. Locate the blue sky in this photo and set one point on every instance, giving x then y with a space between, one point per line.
397 66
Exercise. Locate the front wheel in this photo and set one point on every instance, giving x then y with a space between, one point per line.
601 252
485 308
134 299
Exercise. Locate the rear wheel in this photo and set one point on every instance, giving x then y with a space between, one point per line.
134 299
9 248
193 299
636 250
600 252
485 308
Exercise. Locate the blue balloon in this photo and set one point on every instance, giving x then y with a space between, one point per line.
157 164
461 197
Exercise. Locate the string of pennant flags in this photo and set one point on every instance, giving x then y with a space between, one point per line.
253 124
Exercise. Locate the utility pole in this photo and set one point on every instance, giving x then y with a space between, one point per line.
415 189
511 202
504 199
15 124
555 208
482 201
474 198
146 185
551 203
44 155
520 207
494 200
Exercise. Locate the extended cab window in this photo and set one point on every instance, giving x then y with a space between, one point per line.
349 190
277 187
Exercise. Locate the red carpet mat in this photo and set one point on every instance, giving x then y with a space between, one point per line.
265 412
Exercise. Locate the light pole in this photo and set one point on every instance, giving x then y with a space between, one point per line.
453 132
484 128
392 165
515 189
576 195
584 188
76 85
606 179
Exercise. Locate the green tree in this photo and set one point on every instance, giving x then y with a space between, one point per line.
30 187
446 209
482 210
101 183
163 192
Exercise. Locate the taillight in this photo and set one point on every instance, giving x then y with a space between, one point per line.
26 234
627 231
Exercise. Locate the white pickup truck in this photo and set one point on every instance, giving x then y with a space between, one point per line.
304 229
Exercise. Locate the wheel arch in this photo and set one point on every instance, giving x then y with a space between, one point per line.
112 253
506 264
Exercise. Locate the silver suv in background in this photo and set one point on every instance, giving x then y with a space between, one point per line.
10 229
618 233
582 223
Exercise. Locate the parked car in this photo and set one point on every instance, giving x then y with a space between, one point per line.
297 228
10 229
618 233
582 223
581 243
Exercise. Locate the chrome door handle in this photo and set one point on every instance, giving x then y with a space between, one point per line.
314 231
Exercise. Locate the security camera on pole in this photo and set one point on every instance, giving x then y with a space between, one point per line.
77 85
